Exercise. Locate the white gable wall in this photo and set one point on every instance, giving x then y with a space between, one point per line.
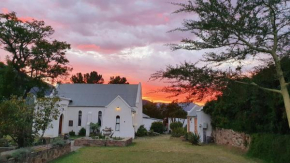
126 119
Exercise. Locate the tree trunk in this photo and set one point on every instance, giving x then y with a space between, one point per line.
286 98
283 85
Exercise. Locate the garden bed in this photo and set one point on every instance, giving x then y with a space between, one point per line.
87 141
38 154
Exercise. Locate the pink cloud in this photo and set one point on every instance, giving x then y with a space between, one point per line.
4 10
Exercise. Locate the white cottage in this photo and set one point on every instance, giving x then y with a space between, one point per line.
199 122
118 106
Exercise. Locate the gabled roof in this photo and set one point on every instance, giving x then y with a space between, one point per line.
97 94
192 112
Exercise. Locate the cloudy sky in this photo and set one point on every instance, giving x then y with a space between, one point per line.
113 37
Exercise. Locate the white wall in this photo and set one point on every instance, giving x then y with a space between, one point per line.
191 124
201 119
148 121
126 119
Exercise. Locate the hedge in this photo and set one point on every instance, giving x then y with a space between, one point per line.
272 148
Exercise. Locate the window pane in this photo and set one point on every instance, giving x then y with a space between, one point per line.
70 123
117 127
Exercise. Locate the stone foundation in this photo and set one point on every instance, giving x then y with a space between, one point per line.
44 155
231 138
102 142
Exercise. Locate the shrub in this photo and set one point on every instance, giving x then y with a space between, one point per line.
157 127
193 138
72 133
95 127
152 133
177 132
82 132
270 147
21 153
58 142
175 125
141 131
4 142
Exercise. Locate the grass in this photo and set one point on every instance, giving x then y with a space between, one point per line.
75 137
155 150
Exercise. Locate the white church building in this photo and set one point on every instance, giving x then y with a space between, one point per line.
115 106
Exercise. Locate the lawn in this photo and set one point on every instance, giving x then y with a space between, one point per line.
156 150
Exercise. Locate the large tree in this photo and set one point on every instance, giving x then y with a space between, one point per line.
238 30
118 80
32 52
88 78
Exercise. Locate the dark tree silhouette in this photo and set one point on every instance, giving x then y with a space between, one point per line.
88 78
118 80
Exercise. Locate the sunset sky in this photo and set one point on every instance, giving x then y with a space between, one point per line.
113 37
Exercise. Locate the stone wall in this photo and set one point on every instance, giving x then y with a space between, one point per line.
231 138
102 142
44 155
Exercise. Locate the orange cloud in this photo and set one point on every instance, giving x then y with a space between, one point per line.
25 19
4 10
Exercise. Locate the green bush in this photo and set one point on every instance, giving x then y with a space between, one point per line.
21 153
4 142
72 133
175 125
58 142
177 132
152 133
157 127
270 147
82 132
193 138
141 131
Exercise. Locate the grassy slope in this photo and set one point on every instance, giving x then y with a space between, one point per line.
155 150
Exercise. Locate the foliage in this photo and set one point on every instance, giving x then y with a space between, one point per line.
141 131
270 147
32 54
231 31
72 133
58 142
249 109
95 127
193 138
22 122
118 80
89 78
16 119
177 132
117 138
173 110
82 132
47 110
175 125
4 142
21 153
157 127
152 133
153 110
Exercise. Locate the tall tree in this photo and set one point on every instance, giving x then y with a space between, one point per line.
77 78
88 78
240 29
118 80
31 51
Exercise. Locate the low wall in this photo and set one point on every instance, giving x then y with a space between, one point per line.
44 155
231 138
102 142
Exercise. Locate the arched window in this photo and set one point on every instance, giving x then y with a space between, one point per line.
80 118
117 123
100 118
